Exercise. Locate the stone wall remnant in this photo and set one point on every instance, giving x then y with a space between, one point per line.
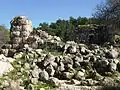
21 28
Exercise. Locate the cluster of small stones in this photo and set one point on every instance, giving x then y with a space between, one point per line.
70 66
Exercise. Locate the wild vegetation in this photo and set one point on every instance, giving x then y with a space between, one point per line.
65 28
108 12
4 34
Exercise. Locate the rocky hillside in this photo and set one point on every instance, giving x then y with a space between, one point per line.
35 60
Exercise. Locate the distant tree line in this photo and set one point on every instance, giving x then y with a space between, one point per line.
65 28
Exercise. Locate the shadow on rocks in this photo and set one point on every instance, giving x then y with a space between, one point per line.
110 88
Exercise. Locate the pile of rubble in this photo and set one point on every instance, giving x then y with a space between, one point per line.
37 57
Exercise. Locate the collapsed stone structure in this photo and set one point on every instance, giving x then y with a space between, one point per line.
40 57
93 34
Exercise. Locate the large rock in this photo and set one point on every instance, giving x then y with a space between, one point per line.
67 60
49 58
102 65
80 75
5 64
112 67
72 49
44 75
14 85
34 80
61 67
50 70
54 81
112 54
57 38
5 67
42 34
68 75
18 55
35 72
74 81
83 50
4 51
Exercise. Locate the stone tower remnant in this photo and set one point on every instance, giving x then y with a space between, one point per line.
21 28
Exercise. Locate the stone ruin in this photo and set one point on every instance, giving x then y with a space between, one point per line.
21 28
93 34
69 65
23 36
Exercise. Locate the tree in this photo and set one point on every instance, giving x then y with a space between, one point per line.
108 12
73 21
65 29
44 26
61 28
82 21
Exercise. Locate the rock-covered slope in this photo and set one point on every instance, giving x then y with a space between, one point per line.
35 60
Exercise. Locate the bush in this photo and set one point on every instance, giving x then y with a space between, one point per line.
4 34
